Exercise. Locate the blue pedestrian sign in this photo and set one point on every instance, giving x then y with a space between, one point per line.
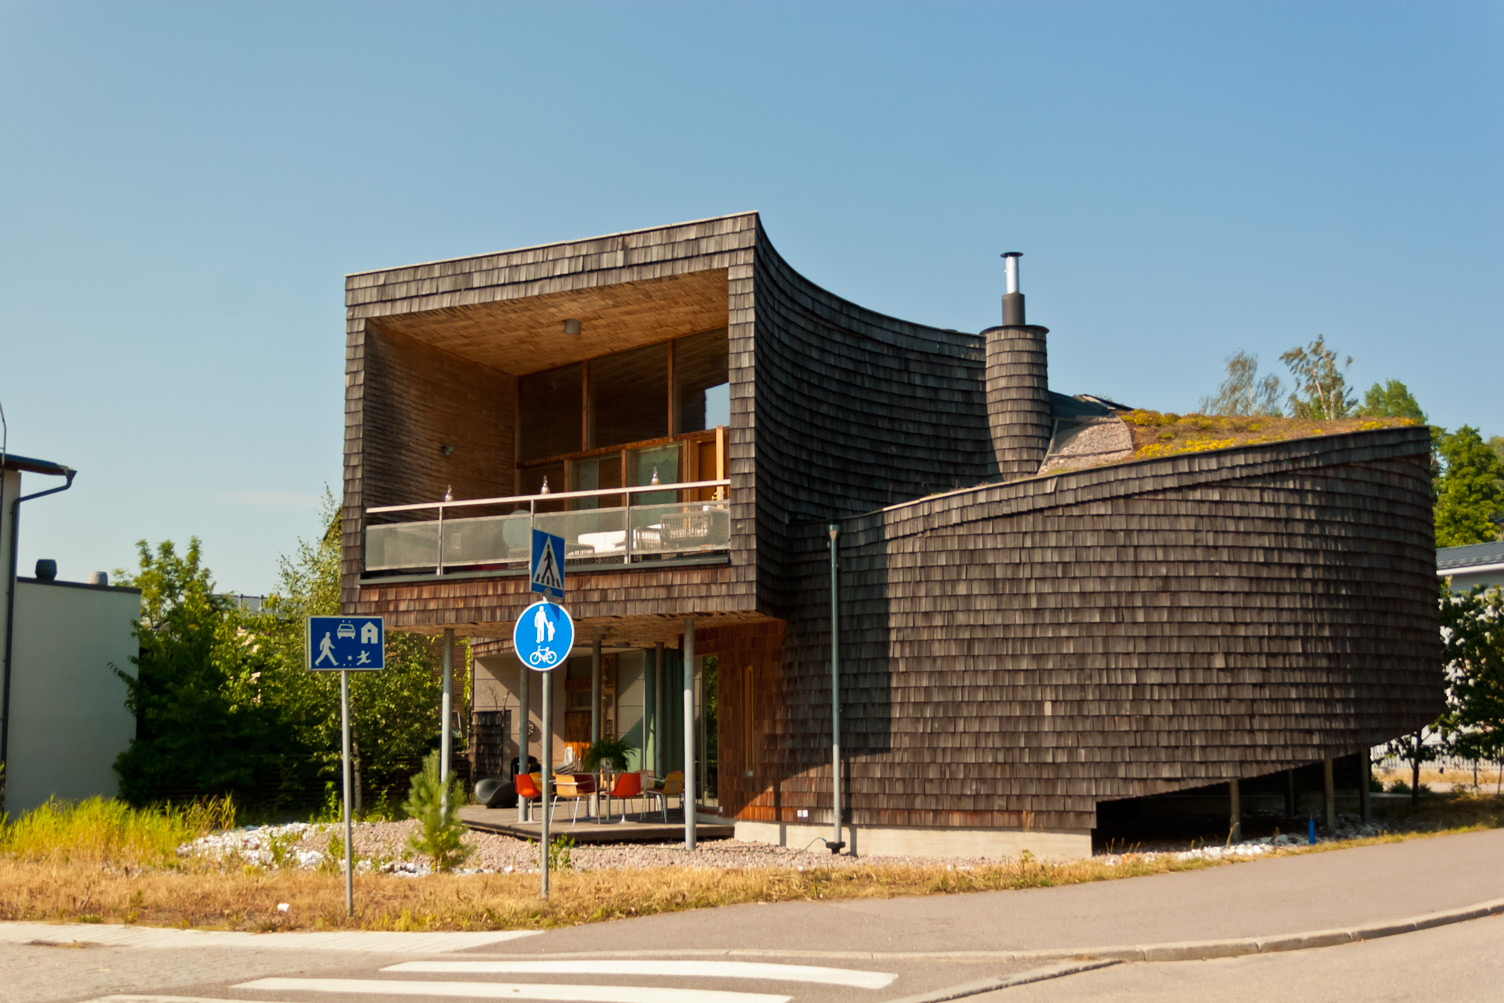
357 643
546 570
543 636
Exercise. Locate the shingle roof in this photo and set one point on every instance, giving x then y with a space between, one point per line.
1473 555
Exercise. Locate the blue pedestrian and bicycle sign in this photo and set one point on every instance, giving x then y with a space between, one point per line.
543 636
357 643
546 569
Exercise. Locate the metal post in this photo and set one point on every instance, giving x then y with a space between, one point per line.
1365 808
1330 797
689 733
524 714
438 556
660 715
546 789
836 845
446 715
626 525
344 732
595 712
595 689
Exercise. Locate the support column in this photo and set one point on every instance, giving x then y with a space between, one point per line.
1330 795
595 711
1234 812
660 715
1365 807
524 712
689 733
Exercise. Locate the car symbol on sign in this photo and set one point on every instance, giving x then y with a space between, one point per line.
346 630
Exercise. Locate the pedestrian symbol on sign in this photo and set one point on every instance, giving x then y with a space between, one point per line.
547 567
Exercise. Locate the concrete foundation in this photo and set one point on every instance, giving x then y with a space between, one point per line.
864 841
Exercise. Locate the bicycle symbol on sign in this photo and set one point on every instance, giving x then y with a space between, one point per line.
543 656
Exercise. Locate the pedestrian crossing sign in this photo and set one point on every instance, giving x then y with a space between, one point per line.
547 566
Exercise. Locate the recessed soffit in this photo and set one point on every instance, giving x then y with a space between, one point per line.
526 334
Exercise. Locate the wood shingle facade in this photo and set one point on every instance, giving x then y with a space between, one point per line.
1016 648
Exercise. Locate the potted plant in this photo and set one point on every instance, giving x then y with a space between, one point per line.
607 754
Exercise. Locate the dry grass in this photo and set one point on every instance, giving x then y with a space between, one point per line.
248 899
90 887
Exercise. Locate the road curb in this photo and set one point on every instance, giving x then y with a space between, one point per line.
476 944
1191 950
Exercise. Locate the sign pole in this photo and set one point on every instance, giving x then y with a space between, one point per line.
548 774
344 644
542 638
344 728
446 716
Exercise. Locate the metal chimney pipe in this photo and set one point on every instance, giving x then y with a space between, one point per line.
1013 300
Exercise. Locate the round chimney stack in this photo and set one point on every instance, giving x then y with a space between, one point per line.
1016 382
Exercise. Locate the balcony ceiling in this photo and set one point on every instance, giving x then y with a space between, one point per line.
526 334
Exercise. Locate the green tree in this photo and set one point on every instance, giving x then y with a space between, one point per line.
1321 390
202 727
1243 391
393 713
1391 399
1473 639
1470 495
440 832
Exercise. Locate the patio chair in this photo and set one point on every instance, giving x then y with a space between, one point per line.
574 787
527 788
627 786
672 787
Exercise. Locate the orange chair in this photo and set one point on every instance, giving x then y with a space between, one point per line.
672 787
527 788
628 785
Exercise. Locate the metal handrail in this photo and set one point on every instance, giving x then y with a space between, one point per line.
551 496
532 504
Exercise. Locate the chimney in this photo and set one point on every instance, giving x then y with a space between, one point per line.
46 570
1016 384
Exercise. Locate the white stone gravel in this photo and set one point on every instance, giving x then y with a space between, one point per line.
382 846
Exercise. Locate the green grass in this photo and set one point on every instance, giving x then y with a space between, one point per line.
99 831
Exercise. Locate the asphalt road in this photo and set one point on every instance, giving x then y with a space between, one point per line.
878 950
1458 964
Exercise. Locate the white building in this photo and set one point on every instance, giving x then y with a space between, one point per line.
63 718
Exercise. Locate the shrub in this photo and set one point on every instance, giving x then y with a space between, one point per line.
440 837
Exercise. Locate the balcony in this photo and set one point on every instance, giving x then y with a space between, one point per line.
647 523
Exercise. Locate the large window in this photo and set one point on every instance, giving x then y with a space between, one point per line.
629 396
548 413
702 393
605 423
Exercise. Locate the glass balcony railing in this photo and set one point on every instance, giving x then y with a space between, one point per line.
622 534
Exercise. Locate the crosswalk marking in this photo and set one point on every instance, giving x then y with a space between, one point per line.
854 977
511 991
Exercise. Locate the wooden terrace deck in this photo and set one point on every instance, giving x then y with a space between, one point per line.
640 828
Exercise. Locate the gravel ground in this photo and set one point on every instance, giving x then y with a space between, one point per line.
382 846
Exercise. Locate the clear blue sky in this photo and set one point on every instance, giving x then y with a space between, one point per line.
184 185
